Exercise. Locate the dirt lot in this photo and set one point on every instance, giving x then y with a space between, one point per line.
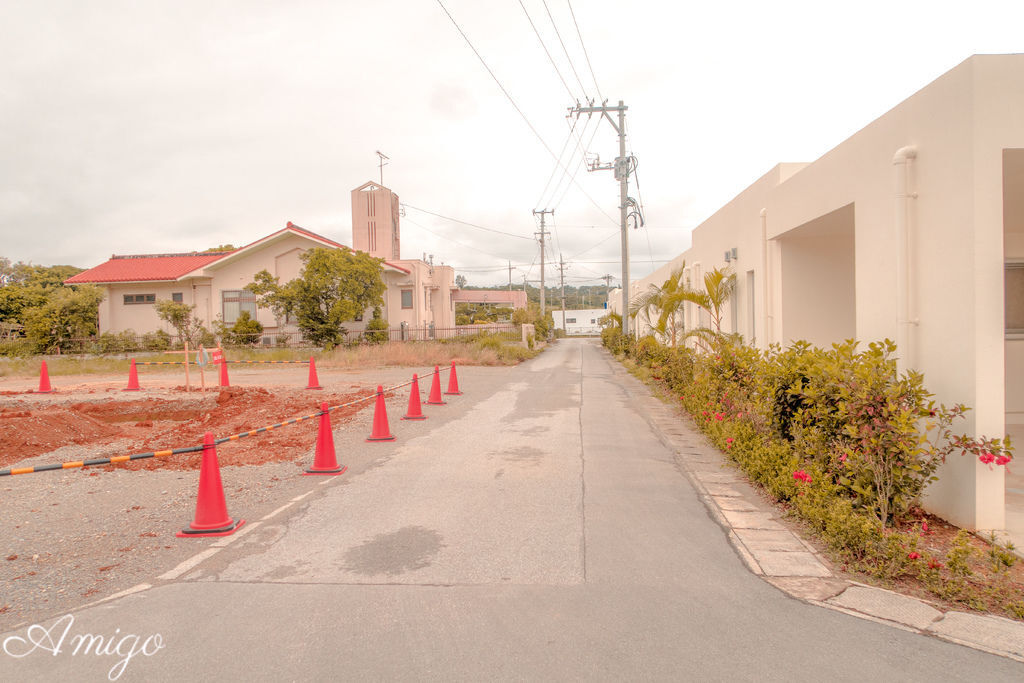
72 536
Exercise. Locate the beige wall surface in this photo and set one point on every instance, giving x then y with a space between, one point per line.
953 207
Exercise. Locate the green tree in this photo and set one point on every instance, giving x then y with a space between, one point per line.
29 286
221 247
65 314
666 301
719 287
334 287
460 281
246 331
377 328
182 318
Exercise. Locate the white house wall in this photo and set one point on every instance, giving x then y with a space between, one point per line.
959 126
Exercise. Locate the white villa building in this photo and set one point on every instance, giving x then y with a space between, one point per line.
582 322
913 230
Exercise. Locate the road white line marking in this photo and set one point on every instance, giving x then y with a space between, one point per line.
280 509
228 540
296 499
188 564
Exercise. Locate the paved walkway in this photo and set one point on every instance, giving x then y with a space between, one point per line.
559 524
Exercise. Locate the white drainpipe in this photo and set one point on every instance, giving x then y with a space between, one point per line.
903 162
769 319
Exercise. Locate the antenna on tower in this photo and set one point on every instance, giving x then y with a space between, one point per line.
382 164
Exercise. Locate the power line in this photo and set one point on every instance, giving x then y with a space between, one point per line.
564 49
555 169
550 58
614 234
449 239
472 225
589 66
516 107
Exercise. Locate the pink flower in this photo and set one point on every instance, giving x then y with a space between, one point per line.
934 564
704 413
800 475
1003 459
739 414
842 458
986 458
914 556
728 439
719 416
924 527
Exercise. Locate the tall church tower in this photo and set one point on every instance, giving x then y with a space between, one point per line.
375 221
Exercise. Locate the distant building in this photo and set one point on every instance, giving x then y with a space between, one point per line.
498 298
418 294
582 322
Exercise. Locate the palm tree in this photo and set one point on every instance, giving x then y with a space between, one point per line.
666 300
719 286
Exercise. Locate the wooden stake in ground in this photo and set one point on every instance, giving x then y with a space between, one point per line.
201 362
187 387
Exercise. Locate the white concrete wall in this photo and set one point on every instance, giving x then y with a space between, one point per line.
959 125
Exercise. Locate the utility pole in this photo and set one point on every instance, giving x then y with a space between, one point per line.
542 235
561 278
607 284
622 168
510 276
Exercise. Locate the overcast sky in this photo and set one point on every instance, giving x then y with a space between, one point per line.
151 127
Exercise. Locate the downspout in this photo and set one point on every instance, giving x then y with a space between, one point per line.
769 319
903 163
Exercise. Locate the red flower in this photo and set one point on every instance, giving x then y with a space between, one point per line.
924 527
1003 459
704 413
986 458
800 475
728 440
934 564
719 416
914 556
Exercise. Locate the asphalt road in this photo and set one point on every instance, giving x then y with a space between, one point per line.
533 529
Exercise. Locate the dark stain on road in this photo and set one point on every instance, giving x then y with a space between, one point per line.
405 550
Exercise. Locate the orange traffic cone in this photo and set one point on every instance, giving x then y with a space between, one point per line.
415 412
453 383
133 378
381 431
44 380
211 510
224 373
435 390
325 461
314 381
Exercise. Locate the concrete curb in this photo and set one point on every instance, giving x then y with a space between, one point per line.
782 558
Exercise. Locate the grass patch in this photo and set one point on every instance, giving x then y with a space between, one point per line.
481 350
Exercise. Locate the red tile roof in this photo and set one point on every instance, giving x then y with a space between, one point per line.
146 267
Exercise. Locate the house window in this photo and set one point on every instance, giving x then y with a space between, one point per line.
139 299
1014 298
593 321
177 297
570 320
234 301
406 298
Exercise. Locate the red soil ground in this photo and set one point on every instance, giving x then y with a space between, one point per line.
150 424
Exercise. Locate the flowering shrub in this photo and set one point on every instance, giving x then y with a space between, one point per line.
840 436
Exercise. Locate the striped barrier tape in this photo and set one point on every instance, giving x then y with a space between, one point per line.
10 471
192 362
98 461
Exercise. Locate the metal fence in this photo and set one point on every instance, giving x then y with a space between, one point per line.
129 342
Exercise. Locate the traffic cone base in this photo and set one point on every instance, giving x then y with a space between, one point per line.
314 381
211 517
133 378
435 390
223 531
381 430
415 411
453 384
340 470
325 461
44 380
